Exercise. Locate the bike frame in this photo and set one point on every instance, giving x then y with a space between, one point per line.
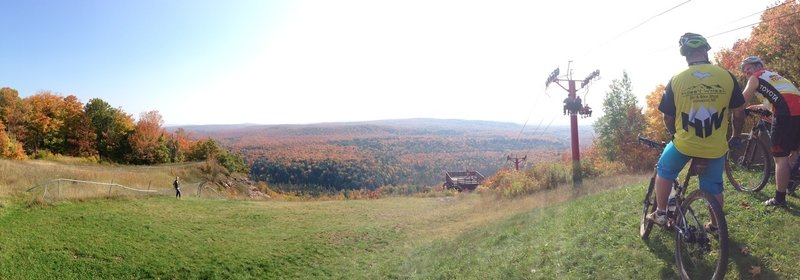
687 220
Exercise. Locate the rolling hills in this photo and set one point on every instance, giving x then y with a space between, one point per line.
386 152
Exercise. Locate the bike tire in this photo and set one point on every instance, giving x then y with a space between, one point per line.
749 167
646 225
698 254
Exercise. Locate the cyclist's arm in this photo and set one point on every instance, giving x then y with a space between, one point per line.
667 107
738 102
750 88
669 123
738 120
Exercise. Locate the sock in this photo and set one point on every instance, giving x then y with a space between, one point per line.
780 196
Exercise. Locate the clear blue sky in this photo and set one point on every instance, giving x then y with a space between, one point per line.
279 62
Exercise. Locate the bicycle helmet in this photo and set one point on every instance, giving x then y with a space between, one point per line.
751 60
691 41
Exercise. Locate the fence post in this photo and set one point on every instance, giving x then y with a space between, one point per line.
148 185
109 188
59 188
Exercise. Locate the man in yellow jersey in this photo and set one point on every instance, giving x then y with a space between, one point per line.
697 105
785 100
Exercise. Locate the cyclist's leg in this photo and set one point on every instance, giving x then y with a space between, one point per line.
711 181
784 140
669 165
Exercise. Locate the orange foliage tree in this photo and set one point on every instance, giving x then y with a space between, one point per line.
77 129
654 119
148 142
180 144
776 39
9 148
11 113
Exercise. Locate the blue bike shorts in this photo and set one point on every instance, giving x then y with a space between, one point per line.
672 162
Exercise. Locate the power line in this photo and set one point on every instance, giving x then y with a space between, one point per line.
637 26
737 28
761 12
649 19
757 23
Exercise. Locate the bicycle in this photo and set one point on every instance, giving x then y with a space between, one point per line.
698 253
750 166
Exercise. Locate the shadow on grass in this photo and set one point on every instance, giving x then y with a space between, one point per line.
747 265
663 246
740 260
762 196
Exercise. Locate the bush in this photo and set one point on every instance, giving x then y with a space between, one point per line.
508 183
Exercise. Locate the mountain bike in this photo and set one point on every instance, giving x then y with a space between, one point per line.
750 166
699 254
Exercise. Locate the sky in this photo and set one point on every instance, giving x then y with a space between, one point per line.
298 62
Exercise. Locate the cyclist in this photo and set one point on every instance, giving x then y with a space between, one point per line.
697 105
785 100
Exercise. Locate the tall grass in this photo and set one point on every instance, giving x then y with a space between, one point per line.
32 176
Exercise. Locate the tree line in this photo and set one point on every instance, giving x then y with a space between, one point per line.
395 161
46 124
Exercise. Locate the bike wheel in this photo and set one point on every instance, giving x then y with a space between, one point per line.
646 225
700 254
749 167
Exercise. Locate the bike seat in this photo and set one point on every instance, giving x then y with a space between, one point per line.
698 165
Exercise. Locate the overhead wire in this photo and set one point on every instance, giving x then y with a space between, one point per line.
757 23
757 13
636 26
740 27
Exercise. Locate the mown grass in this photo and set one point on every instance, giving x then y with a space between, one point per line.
562 233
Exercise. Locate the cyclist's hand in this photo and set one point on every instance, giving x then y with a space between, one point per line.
735 142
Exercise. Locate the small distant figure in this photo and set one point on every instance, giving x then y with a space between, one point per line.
177 185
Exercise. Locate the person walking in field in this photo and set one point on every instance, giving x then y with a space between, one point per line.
177 185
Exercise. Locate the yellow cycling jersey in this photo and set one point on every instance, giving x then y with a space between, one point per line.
701 99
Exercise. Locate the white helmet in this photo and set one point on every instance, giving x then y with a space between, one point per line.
751 60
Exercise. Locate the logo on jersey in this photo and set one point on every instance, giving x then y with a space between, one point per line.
704 121
701 75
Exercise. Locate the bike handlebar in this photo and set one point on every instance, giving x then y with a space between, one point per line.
651 143
760 112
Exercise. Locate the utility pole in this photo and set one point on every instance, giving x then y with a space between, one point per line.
573 107
516 160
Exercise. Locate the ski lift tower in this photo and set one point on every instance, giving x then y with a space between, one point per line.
573 107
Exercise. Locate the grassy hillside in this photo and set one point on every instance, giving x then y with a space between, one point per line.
564 233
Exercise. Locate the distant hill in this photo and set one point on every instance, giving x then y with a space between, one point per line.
415 126
370 154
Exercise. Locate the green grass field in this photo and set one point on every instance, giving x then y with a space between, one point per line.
561 234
